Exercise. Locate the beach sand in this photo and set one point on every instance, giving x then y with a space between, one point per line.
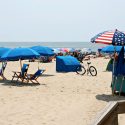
60 99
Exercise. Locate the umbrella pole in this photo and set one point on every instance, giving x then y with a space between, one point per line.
20 64
113 71
38 63
2 67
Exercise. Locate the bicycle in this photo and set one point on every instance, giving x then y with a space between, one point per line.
90 69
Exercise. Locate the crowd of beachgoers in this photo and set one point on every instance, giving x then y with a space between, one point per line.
77 53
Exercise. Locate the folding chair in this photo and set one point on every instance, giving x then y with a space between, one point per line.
2 70
21 75
35 76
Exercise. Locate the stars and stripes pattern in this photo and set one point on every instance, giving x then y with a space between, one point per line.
110 37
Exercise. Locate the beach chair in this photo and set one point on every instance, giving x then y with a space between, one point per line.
21 75
35 76
2 70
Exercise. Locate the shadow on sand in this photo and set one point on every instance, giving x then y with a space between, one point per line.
108 98
18 84
47 75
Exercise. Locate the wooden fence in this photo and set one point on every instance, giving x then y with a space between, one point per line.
109 115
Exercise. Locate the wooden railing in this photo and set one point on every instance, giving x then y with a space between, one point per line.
109 115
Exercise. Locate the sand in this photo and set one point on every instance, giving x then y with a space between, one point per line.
60 99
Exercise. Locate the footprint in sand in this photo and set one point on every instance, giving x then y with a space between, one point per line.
88 90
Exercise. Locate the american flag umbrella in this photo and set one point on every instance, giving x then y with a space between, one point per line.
116 38
110 37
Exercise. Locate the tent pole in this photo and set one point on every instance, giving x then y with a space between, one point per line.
114 87
121 86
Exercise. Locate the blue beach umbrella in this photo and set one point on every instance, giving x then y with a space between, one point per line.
86 50
99 49
56 51
3 50
43 51
71 50
19 54
111 49
59 49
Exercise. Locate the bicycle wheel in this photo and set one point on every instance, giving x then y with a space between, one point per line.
92 70
81 70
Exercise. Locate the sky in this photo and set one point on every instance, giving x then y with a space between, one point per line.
59 20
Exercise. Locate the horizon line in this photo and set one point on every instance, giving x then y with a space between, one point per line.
42 41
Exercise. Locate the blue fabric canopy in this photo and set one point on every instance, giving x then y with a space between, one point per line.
120 66
43 51
66 64
19 53
111 49
3 50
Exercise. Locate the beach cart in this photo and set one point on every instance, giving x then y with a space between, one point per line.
66 64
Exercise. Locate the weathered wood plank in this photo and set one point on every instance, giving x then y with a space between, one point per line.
121 107
110 120
108 116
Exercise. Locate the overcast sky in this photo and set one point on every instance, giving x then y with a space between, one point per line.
59 20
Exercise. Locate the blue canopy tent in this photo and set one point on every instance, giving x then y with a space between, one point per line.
119 68
119 72
66 64
43 51
110 49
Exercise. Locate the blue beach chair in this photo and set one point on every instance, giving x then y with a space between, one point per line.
21 75
2 70
35 76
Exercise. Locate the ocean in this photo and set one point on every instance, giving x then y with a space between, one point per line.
80 45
